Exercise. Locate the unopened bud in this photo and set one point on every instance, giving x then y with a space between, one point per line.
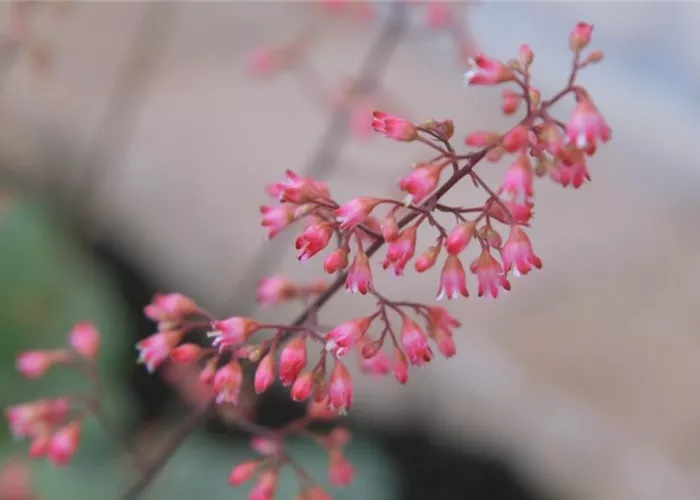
370 349
526 55
594 57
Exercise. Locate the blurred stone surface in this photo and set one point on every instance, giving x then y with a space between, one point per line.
587 372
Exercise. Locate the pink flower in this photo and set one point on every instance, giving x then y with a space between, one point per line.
359 277
519 179
587 126
427 259
401 251
344 336
377 363
340 388
441 318
580 36
487 71
355 212
400 366
232 331
64 444
336 260
34 364
267 446
519 213
574 175
156 349
422 181
340 471
243 472
266 487
415 342
186 353
445 342
516 139
277 218
482 138
517 253
489 274
30 419
393 127
298 190
389 228
453 280
510 101
314 239
459 237
273 290
265 374
227 383
84 338
292 360
171 307
303 387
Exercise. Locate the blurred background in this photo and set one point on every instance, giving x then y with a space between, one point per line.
135 145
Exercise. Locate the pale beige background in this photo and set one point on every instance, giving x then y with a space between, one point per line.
587 373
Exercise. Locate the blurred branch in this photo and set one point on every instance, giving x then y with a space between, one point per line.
193 421
129 92
325 157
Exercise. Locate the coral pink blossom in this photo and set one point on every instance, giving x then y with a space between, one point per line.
401 251
273 290
587 126
84 338
415 342
427 259
232 331
292 360
243 472
186 353
459 237
519 179
445 342
340 471
453 280
487 71
266 486
580 36
265 374
376 364
516 212
516 139
336 260
440 317
156 349
400 366
422 181
303 387
390 228
482 138
172 307
517 253
297 190
359 279
227 382
489 274
34 364
355 212
64 444
314 239
393 127
277 218
340 388
267 446
574 175
344 336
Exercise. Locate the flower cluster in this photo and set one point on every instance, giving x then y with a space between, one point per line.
395 335
54 425
273 457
